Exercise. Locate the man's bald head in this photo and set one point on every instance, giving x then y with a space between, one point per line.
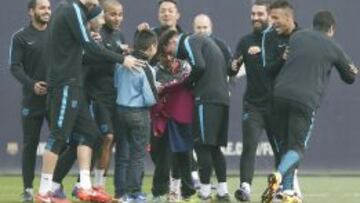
202 24
110 4
114 13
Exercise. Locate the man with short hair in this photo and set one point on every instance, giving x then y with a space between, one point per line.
211 92
282 20
203 25
27 64
257 98
100 86
69 113
282 17
168 16
298 92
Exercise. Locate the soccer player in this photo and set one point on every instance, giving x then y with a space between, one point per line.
203 25
28 66
298 91
257 98
68 156
282 17
168 16
211 92
100 85
67 40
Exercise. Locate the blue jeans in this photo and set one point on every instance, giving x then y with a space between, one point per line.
131 142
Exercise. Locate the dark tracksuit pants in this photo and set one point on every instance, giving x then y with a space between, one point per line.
210 130
254 122
32 121
211 157
294 123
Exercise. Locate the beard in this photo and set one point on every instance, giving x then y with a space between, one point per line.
114 26
41 19
259 26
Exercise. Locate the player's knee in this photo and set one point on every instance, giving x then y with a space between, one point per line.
299 150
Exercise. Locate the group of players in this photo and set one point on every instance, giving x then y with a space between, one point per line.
168 94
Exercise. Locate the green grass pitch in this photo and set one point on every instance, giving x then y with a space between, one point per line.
323 189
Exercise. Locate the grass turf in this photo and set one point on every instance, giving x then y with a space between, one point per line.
316 189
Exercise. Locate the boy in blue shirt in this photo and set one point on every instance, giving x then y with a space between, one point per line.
136 92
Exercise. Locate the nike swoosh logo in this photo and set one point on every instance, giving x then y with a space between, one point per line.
31 43
282 45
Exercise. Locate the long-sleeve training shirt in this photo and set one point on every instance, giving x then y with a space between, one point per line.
68 40
100 78
306 73
27 64
226 52
259 83
262 67
209 69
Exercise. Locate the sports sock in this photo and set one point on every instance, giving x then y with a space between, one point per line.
85 182
45 183
205 190
99 177
222 189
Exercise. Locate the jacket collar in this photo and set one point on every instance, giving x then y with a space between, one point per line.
140 55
